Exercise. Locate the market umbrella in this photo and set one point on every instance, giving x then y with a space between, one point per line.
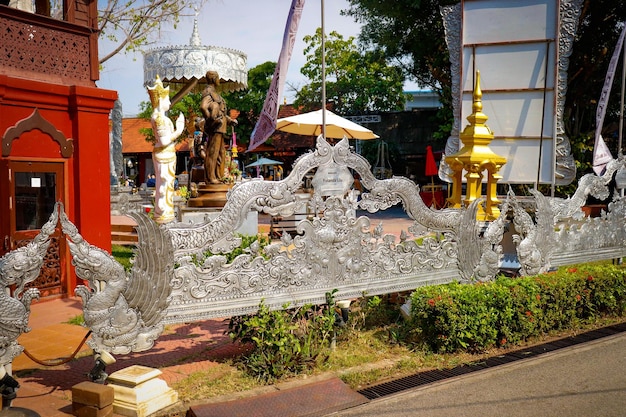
431 164
310 124
431 170
263 161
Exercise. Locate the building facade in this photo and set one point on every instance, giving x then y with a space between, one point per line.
54 127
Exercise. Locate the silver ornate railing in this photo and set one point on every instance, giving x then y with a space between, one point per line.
174 280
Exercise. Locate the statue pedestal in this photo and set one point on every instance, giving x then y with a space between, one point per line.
196 174
138 391
210 195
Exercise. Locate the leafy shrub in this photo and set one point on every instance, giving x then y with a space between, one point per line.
369 312
284 342
455 317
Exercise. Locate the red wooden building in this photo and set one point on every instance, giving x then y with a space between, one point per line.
54 125
137 152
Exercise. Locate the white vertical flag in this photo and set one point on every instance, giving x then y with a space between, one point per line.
601 153
601 156
266 125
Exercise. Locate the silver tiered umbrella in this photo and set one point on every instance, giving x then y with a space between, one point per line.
186 66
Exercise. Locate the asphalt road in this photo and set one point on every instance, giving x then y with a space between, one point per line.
581 381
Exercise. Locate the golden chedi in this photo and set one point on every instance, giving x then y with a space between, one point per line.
476 158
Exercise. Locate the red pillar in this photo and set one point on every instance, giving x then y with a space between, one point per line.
89 110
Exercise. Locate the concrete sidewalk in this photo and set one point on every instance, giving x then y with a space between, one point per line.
578 381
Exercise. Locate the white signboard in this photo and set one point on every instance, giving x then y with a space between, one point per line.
332 179
513 43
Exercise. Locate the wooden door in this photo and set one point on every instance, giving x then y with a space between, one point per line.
34 188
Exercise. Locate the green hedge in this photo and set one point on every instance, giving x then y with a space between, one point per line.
457 317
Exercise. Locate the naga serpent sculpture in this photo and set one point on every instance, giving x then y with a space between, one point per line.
124 310
18 268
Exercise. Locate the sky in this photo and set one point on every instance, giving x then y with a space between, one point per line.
253 27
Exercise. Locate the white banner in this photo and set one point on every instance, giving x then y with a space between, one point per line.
601 153
266 125
601 156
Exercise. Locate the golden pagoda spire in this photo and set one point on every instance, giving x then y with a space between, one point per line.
474 158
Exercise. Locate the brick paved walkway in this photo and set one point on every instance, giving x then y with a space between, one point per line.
181 350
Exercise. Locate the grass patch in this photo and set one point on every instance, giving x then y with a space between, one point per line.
78 320
362 358
221 379
356 348
124 255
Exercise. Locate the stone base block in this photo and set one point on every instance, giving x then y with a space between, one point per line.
139 392
146 408
90 393
81 410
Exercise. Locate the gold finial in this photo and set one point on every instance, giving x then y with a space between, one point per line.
158 92
477 117
477 103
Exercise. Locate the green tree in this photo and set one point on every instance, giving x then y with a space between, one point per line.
127 25
599 27
249 102
421 52
356 81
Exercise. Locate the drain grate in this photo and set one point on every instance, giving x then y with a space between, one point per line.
428 377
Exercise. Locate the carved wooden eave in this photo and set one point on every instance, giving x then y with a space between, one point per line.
42 48
36 121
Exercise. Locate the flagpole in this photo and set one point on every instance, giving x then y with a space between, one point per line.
621 112
621 108
323 75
